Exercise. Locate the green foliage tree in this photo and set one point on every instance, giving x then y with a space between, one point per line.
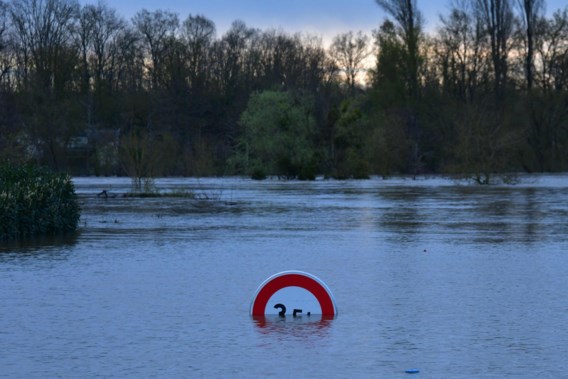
350 147
395 111
409 21
278 136
390 89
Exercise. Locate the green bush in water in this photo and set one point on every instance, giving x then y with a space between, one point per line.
35 202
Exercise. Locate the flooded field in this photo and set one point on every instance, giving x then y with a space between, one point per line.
450 278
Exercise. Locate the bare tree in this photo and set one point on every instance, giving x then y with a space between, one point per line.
531 11
45 43
317 66
459 51
107 25
546 109
198 33
127 61
158 30
44 30
84 33
497 16
350 51
551 51
6 59
231 53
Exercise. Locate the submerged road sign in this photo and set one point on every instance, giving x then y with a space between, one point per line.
293 293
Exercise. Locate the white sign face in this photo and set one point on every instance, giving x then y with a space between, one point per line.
293 293
293 301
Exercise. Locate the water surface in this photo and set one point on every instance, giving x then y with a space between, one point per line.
454 279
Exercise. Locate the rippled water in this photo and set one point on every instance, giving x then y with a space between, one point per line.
455 280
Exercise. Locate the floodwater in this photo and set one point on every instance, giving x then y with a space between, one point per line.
452 279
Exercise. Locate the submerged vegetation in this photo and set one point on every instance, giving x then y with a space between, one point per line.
36 202
156 194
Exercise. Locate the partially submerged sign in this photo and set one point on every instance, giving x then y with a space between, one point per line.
293 294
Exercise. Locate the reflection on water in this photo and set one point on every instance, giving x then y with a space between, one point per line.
47 249
484 215
38 244
301 328
454 279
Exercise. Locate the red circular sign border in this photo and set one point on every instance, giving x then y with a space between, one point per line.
293 279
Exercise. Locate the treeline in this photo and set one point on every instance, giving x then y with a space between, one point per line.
84 90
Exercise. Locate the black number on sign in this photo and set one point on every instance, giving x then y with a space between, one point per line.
282 308
282 312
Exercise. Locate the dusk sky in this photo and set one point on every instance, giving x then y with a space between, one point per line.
325 18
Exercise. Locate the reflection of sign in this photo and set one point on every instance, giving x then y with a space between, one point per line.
302 328
293 293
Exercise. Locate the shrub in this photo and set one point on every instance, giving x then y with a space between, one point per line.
35 201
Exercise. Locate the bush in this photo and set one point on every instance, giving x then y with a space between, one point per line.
35 202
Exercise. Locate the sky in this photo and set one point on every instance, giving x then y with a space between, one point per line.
325 18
